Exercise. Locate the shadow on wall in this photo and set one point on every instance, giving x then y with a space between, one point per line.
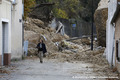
77 29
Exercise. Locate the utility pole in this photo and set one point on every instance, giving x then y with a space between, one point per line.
92 28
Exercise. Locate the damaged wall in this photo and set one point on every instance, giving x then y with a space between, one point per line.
82 28
110 28
100 18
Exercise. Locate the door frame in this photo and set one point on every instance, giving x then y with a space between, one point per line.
5 21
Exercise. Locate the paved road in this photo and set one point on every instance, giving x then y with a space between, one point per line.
31 69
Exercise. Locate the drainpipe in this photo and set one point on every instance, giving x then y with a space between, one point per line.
23 23
11 26
92 28
23 27
113 47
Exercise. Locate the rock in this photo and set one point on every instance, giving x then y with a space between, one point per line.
32 45
38 22
69 45
32 51
85 41
68 52
100 17
50 29
66 36
32 37
57 37
36 27
78 41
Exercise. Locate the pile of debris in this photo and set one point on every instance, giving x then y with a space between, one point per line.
74 52
67 45
3 71
36 29
60 47
84 41
95 57
100 17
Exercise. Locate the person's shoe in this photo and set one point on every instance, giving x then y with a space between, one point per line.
41 61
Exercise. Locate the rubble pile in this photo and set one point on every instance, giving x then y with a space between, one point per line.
75 45
69 45
95 57
59 47
75 52
3 71
34 29
100 17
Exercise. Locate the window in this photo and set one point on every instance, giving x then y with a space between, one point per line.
117 51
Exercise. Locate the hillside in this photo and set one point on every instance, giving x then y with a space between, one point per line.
66 9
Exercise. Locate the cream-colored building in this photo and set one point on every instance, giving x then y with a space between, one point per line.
11 30
17 29
113 34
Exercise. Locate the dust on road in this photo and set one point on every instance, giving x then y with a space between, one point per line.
52 69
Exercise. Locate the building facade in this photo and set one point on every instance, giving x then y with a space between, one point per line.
113 34
10 30
17 29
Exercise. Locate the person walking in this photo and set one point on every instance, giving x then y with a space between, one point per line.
41 50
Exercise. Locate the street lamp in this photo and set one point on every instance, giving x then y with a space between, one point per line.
92 29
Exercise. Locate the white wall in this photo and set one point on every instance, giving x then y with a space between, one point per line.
112 5
5 16
12 15
17 49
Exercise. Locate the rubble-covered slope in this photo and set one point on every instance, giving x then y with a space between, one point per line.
34 29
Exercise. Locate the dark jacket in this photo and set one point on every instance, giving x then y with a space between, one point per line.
43 48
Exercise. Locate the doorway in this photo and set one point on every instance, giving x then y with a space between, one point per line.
4 40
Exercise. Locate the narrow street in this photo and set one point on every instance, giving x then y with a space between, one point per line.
74 39
52 69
